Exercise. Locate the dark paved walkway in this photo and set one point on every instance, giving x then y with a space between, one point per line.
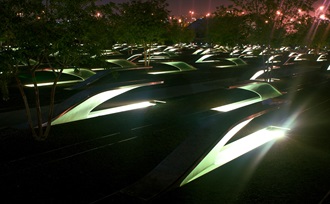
293 170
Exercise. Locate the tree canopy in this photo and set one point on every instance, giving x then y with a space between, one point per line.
142 21
61 34
270 22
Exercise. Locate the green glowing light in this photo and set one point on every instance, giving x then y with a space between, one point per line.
263 90
221 155
180 66
122 63
119 109
84 109
209 159
81 75
202 59
257 74
99 69
51 83
248 143
236 105
164 72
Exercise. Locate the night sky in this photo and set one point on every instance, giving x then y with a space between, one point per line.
182 7
200 7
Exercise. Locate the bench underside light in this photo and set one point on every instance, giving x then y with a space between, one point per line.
84 109
222 154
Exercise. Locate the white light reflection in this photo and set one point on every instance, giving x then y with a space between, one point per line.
119 109
51 83
163 72
257 74
248 143
221 155
209 159
85 108
236 105
266 92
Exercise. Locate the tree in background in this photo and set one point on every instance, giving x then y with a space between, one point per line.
6 36
58 35
142 22
228 26
26 37
318 31
178 33
274 19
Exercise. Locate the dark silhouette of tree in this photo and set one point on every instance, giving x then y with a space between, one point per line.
178 33
59 36
274 19
142 22
228 26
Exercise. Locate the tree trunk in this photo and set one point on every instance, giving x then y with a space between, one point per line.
27 107
51 105
38 107
4 89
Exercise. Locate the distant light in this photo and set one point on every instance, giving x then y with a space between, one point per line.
164 72
51 83
98 69
257 74
321 58
98 14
